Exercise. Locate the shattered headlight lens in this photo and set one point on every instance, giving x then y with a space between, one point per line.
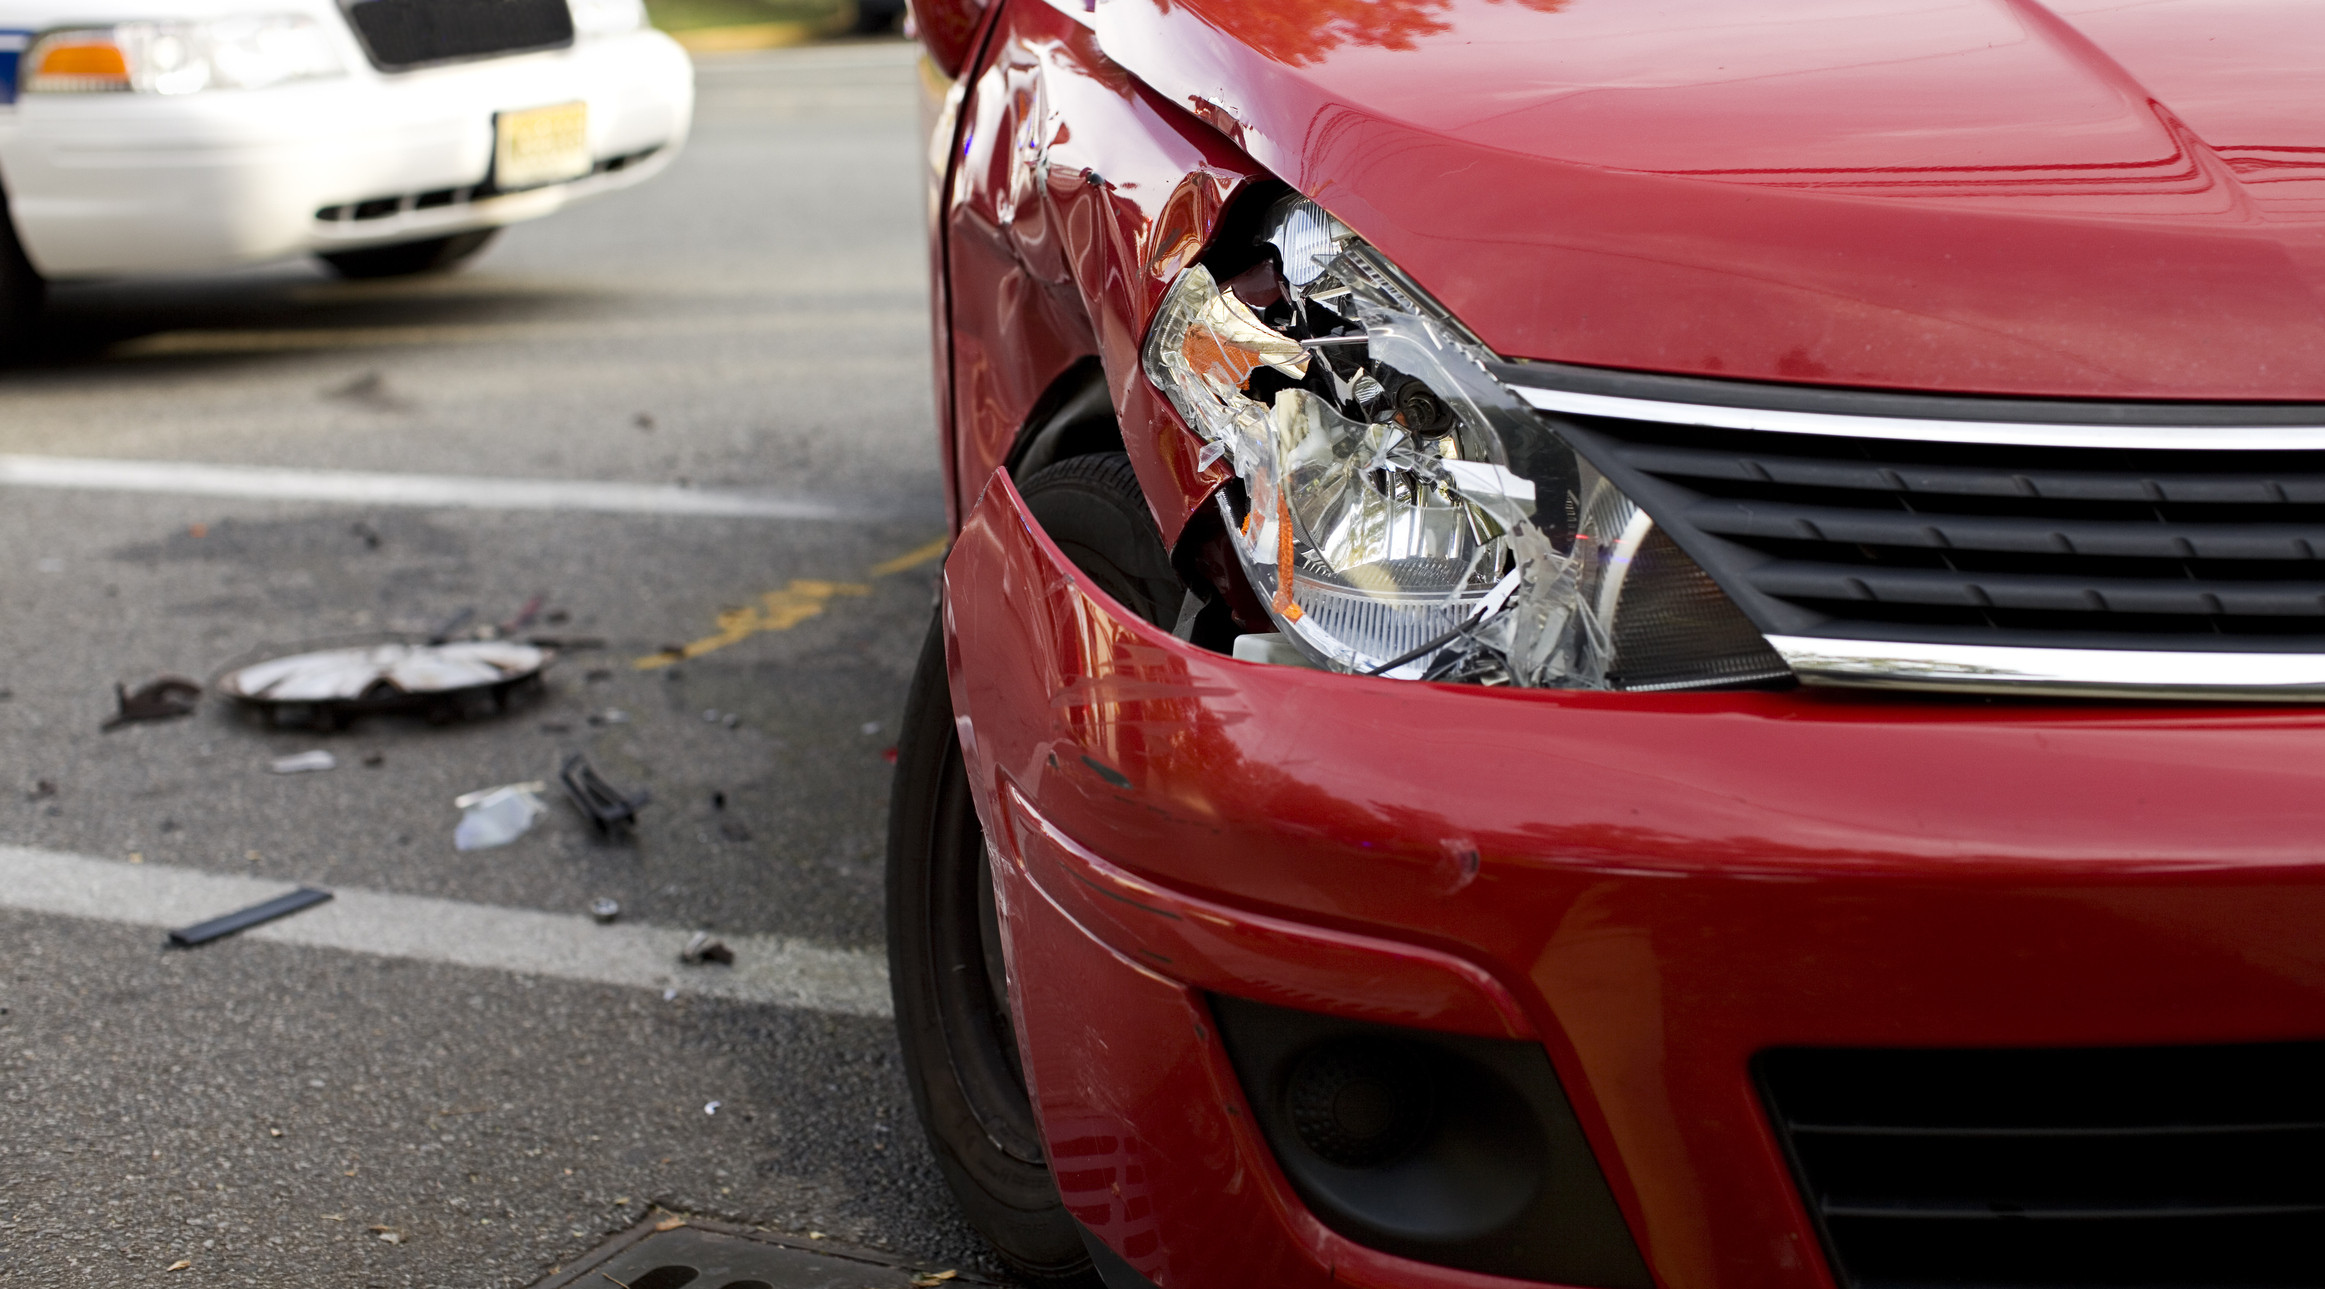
250 52
1402 512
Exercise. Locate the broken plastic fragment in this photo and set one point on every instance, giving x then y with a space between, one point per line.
156 700
606 807
603 910
304 762
701 948
497 816
305 897
1213 340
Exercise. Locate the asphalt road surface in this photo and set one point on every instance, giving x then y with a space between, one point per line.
450 1076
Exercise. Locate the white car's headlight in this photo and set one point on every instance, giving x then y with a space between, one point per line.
606 17
1401 511
250 52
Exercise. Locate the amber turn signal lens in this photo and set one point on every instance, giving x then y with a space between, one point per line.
77 63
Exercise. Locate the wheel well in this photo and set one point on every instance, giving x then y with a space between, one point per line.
1074 417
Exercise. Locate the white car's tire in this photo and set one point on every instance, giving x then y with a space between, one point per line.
402 259
21 290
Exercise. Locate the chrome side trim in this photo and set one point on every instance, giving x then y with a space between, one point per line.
2088 673
2246 438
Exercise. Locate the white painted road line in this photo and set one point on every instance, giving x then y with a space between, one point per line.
359 487
768 969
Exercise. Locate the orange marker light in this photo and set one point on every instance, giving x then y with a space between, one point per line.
77 62
1284 607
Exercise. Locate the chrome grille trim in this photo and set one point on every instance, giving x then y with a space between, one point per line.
2081 673
2245 438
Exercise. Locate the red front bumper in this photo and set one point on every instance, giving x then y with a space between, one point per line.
1666 885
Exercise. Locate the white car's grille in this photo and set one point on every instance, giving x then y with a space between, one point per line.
400 34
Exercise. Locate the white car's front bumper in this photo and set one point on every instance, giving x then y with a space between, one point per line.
129 183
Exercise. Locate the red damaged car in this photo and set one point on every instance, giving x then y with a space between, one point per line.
1625 643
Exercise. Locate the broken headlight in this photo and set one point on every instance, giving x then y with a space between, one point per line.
1402 513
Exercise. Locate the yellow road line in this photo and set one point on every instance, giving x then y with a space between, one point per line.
913 558
782 610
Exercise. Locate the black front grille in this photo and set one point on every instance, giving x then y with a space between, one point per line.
400 34
2126 1167
1873 539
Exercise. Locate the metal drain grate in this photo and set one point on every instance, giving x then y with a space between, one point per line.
697 1256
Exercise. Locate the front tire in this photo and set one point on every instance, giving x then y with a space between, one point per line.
22 290
952 1008
404 259
944 938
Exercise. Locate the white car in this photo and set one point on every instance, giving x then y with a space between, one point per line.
386 136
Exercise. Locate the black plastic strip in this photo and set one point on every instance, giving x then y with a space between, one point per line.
1114 1270
305 897
1840 401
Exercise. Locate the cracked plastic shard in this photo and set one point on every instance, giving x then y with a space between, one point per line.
497 816
1225 340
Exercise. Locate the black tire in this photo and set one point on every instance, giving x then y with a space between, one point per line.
944 950
1092 508
403 259
875 16
21 291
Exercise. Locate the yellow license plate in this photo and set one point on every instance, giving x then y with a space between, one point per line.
541 145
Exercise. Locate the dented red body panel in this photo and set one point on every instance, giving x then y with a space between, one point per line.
1972 196
1077 195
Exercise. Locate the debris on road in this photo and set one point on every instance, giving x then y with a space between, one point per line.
604 911
930 1279
606 807
304 762
41 789
497 816
566 644
524 617
179 1265
610 716
701 948
324 687
158 700
306 897
712 1107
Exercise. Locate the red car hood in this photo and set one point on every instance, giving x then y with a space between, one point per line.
2098 198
